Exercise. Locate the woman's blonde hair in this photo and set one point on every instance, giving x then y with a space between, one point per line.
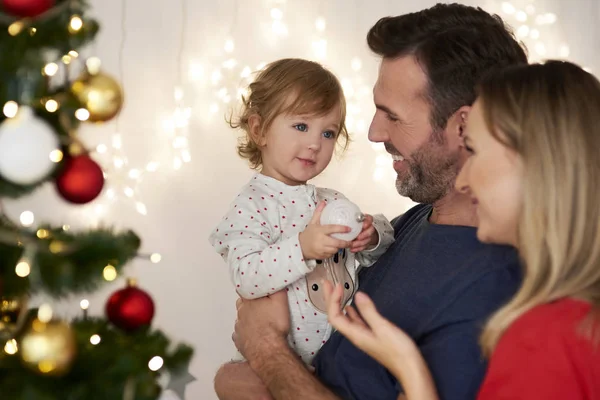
550 115
314 90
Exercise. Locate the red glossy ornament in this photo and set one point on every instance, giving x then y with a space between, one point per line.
26 8
81 180
130 308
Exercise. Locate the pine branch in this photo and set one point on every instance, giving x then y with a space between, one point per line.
99 371
63 263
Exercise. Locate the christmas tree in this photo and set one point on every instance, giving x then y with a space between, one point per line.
47 90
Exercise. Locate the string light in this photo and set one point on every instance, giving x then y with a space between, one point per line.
50 69
320 24
155 363
84 304
26 218
45 313
15 28
51 105
75 24
10 109
122 181
529 25
11 347
22 269
109 273
95 339
56 156
82 114
155 258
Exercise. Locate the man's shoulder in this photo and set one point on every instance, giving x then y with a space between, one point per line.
411 217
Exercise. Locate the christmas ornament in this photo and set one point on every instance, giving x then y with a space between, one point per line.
130 308
178 383
48 348
81 180
343 212
13 311
26 142
26 8
100 94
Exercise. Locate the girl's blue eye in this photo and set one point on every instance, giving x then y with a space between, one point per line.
328 134
301 127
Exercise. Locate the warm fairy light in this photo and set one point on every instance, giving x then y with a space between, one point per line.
10 109
84 304
155 363
521 16
109 273
75 24
43 233
320 24
141 208
15 28
11 347
50 69
155 258
508 8
82 114
51 105
66 59
93 65
523 31
26 218
56 156
95 339
45 313
22 269
73 54
152 166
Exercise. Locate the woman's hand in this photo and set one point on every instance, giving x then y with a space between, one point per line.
382 340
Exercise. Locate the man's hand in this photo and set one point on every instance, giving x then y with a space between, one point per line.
260 322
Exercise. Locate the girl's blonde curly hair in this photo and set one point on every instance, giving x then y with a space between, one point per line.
314 90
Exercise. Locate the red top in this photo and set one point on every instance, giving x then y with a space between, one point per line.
542 356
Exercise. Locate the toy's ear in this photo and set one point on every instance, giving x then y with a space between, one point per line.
256 131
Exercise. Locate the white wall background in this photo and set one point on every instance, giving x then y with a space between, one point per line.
195 302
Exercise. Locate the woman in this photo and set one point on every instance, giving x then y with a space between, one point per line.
534 174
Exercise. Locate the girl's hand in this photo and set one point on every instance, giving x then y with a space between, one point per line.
316 242
368 237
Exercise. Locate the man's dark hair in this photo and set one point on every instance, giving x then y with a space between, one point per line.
456 45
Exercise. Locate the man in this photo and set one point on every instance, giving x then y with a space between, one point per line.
437 282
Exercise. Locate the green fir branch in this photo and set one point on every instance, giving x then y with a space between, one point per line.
99 371
63 262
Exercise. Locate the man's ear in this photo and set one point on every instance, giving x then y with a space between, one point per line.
457 125
256 133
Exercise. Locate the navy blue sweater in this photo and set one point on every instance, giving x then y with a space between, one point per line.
439 284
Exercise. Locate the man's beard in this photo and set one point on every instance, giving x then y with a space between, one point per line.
432 172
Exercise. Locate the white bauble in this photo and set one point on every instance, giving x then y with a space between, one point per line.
343 212
26 142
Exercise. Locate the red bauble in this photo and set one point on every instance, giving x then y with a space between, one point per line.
26 8
130 308
81 180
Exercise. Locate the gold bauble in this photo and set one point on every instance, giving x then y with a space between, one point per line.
100 94
48 348
13 312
